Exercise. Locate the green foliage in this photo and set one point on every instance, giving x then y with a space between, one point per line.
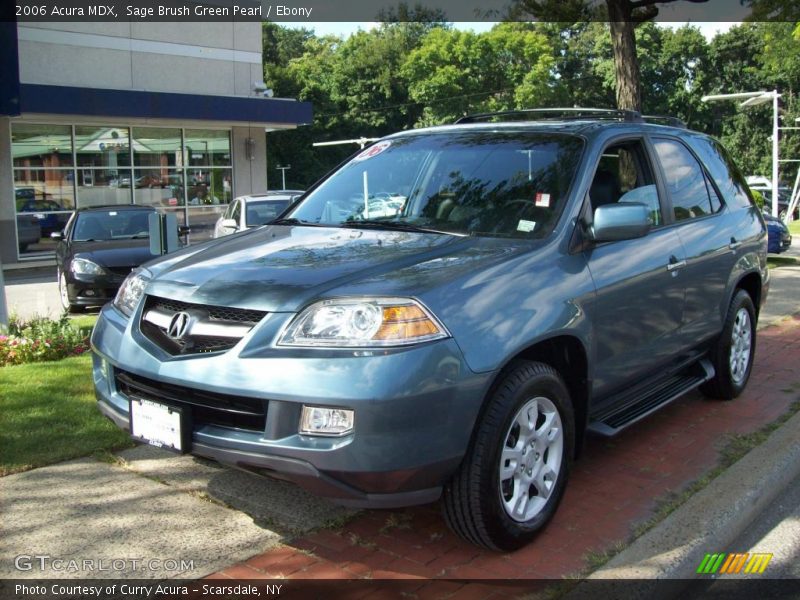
402 75
41 339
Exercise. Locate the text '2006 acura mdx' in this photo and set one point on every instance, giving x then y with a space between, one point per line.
448 314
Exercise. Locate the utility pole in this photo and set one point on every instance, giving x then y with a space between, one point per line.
283 174
754 99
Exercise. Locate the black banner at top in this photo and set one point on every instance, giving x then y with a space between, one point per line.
377 10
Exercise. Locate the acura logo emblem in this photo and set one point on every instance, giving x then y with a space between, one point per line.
179 325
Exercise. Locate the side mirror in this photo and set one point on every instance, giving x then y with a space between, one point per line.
229 224
57 235
626 221
184 230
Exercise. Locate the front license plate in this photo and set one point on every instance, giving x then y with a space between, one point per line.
158 424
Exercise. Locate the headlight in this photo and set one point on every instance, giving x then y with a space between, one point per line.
363 322
131 291
86 267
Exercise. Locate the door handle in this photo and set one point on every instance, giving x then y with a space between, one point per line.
734 244
674 263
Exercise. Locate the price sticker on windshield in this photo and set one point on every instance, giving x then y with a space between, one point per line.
373 150
542 200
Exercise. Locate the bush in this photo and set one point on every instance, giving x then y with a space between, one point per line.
41 339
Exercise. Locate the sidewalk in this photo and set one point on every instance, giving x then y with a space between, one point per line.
617 485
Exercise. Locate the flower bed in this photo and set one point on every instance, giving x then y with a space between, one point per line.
41 339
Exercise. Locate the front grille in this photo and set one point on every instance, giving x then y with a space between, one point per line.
211 329
210 408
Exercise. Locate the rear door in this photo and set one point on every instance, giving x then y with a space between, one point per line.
709 236
638 310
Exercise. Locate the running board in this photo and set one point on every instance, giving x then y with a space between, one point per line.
629 409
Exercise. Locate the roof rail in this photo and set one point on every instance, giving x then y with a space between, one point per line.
629 116
664 120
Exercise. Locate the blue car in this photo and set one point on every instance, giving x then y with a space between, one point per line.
779 236
449 314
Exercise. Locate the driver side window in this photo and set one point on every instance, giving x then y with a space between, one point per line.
624 175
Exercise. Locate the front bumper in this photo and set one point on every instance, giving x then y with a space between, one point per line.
415 408
92 290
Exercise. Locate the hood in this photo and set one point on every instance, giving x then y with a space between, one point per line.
114 253
283 268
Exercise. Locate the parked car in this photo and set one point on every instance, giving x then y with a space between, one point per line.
780 238
544 278
253 211
97 250
50 214
28 231
763 186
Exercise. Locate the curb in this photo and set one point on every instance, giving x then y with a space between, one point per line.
707 522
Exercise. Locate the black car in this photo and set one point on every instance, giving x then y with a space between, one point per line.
99 247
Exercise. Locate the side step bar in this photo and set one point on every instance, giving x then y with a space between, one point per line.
627 411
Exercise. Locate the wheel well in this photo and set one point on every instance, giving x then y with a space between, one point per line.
566 355
751 283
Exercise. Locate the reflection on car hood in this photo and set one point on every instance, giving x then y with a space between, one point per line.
114 253
283 268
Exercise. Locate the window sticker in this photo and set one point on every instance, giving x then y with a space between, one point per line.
373 150
526 226
543 199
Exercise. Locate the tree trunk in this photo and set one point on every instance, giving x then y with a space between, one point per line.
626 65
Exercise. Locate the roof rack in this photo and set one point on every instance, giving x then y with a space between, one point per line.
664 120
628 116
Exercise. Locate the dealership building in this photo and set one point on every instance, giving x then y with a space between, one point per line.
171 115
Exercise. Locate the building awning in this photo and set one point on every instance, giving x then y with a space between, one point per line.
135 104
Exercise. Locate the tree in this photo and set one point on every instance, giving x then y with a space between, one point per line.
622 15
455 72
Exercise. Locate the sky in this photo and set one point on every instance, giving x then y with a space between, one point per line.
708 29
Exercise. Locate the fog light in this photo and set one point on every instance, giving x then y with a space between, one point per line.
317 420
88 292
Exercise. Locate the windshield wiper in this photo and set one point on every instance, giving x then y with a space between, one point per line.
396 225
293 221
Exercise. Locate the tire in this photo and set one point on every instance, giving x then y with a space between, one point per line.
739 337
64 296
479 501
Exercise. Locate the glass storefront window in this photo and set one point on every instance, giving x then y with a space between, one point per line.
157 147
54 185
209 186
207 147
41 146
97 187
158 187
58 168
106 147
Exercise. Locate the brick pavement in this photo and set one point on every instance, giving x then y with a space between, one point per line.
615 485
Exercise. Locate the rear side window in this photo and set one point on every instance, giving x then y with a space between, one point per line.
685 181
723 171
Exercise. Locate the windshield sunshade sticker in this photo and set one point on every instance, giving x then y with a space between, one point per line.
373 150
526 226
542 200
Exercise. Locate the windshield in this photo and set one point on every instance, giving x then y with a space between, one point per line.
260 212
111 225
485 183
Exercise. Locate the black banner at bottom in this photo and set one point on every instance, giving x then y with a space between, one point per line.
402 589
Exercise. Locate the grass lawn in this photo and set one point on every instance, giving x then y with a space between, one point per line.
48 414
774 262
